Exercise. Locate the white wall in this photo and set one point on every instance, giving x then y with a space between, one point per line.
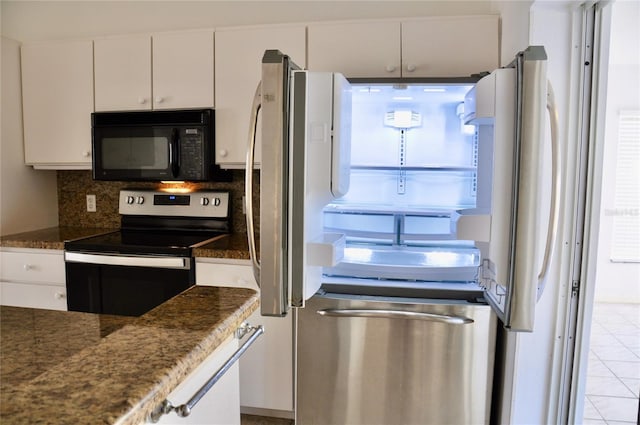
514 17
28 198
618 282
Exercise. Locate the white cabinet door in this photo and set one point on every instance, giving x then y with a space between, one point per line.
219 406
451 46
123 73
238 58
183 70
266 370
57 101
355 49
33 278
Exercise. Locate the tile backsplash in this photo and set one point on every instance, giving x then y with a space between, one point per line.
74 186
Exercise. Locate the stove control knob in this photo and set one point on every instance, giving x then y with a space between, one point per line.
130 200
216 202
140 200
204 201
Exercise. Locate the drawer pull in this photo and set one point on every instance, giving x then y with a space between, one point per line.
28 267
60 295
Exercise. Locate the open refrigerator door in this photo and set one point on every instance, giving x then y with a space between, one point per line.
305 145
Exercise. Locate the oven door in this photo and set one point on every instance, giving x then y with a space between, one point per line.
124 285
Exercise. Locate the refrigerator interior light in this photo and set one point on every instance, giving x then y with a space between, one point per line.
403 118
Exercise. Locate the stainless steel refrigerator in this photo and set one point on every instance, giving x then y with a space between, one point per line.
401 221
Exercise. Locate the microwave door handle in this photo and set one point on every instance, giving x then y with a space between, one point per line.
174 153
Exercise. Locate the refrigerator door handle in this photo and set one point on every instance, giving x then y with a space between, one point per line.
556 195
248 182
395 314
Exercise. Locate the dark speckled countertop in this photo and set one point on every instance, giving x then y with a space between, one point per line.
50 238
79 368
232 246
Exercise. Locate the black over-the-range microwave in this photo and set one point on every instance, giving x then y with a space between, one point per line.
176 145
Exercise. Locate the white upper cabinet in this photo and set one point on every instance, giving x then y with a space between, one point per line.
238 58
453 46
57 101
123 73
163 71
183 70
355 49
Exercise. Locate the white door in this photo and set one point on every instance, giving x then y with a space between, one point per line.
238 55
183 70
123 73
543 379
605 373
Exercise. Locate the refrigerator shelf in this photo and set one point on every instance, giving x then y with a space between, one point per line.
431 168
441 264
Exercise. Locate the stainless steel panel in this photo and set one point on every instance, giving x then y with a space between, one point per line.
380 370
521 294
274 183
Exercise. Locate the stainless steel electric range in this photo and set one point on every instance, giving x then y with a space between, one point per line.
149 260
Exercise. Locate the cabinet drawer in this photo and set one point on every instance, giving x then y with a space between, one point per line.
30 295
32 267
218 274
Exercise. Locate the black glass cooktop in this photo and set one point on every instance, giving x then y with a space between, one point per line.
143 242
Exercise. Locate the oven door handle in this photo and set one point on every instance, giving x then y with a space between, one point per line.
131 261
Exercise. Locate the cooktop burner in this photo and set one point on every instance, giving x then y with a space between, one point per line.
143 242
161 223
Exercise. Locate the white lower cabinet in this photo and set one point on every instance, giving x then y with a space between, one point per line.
33 278
266 370
221 404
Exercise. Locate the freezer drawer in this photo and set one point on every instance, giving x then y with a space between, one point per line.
391 366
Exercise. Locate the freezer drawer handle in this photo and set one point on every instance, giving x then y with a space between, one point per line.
184 410
395 314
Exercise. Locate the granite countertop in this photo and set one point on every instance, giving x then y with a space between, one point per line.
50 238
62 367
232 246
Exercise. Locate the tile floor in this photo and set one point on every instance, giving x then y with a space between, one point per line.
613 375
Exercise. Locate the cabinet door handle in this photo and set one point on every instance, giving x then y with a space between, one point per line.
184 410
159 99
390 68
28 267
411 67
